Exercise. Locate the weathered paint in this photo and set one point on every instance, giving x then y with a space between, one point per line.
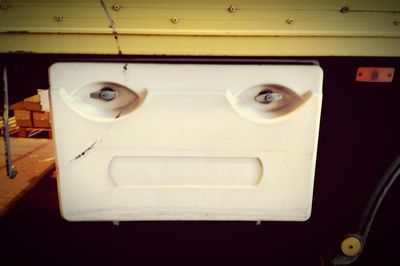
204 27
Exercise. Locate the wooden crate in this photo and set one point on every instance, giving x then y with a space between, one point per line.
17 106
23 118
41 119
33 103
30 119
12 125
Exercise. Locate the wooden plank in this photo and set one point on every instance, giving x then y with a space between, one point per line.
32 158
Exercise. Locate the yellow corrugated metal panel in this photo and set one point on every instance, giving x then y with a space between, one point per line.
189 45
203 27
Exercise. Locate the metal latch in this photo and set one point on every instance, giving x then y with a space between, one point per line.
105 94
268 96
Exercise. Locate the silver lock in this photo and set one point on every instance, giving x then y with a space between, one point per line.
268 96
105 94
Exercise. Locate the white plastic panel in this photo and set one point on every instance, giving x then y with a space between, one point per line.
185 141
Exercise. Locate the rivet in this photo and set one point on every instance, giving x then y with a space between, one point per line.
58 18
3 6
396 22
232 9
174 20
290 20
344 9
116 7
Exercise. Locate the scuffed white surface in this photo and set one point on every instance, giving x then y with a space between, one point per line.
185 114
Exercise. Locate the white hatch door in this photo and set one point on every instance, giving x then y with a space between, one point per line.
143 141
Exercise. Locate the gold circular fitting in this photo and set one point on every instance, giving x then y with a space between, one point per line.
351 246
232 9
58 18
116 7
3 6
174 20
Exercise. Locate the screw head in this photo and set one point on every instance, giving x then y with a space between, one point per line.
174 20
232 9
3 6
344 9
116 7
58 18
290 20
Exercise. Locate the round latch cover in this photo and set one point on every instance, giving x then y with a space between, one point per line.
351 246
